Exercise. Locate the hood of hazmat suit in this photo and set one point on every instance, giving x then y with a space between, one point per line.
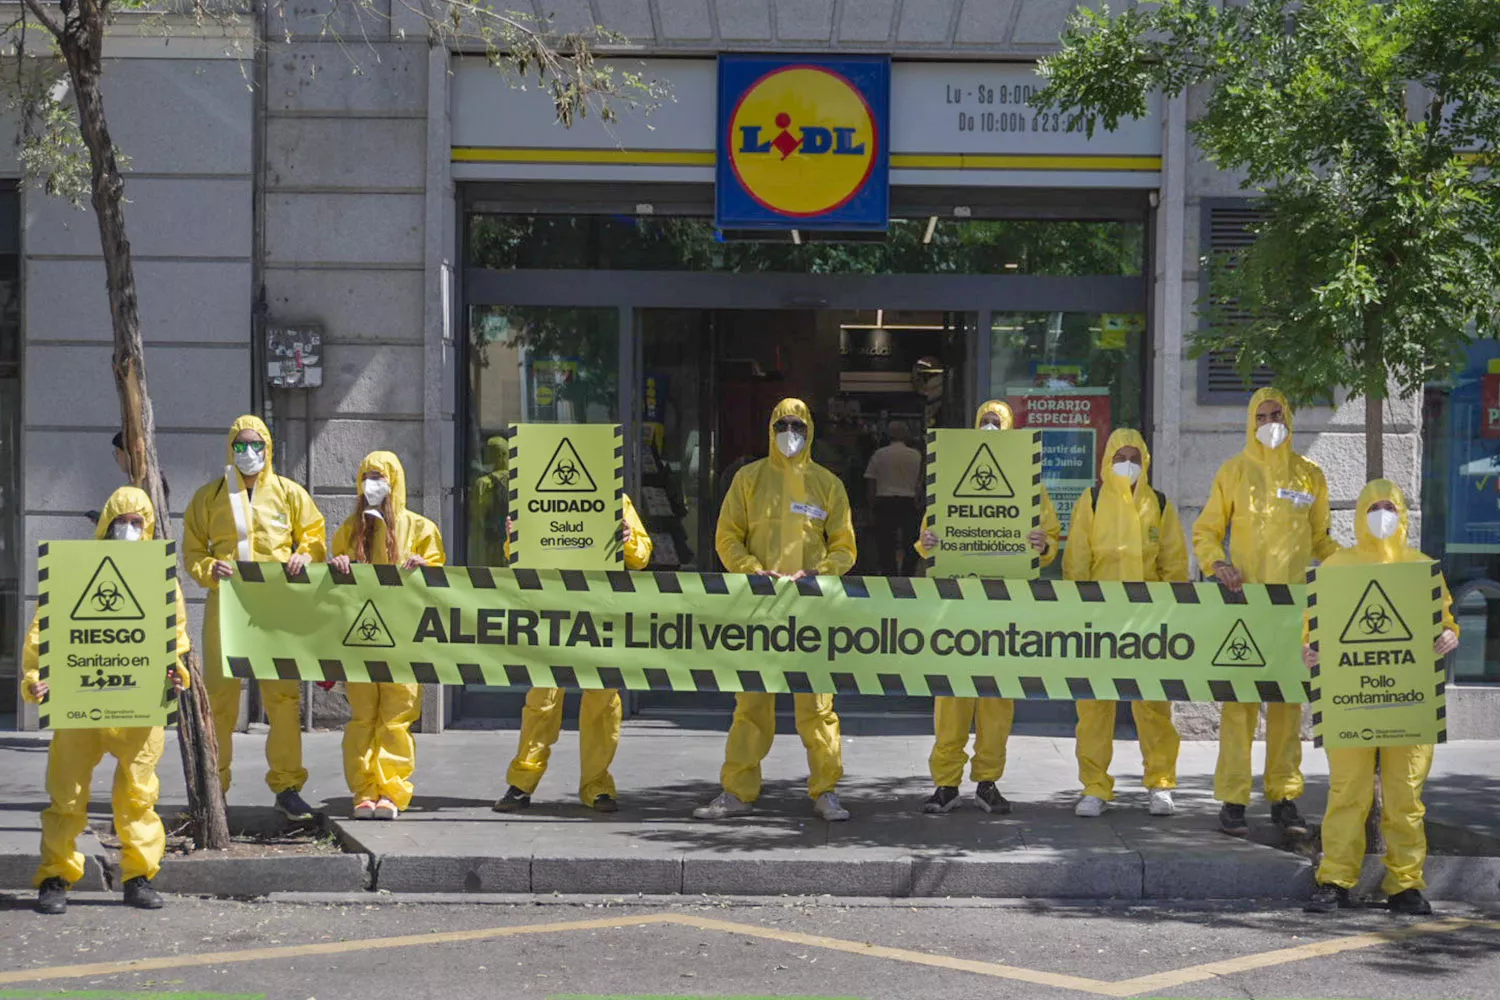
786 514
414 534
1127 533
1270 504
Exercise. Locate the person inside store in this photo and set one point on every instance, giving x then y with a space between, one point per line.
250 514
785 517
1123 529
1271 505
1380 536
128 516
893 481
380 755
990 719
600 712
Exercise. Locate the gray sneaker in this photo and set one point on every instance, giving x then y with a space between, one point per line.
724 806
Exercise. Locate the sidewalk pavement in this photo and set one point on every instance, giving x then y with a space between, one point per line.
450 841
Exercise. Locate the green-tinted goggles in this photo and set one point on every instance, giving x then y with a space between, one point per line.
241 447
782 426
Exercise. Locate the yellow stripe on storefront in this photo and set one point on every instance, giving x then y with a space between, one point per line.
899 161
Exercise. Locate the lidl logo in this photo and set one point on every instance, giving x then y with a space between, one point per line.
803 143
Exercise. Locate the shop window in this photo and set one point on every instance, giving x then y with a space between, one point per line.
1461 505
1075 375
536 366
922 245
1226 230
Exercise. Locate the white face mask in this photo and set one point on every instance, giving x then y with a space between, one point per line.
376 490
1130 470
250 462
124 531
1383 523
790 443
989 427
1272 435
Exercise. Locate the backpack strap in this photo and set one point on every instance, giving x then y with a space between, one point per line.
1161 498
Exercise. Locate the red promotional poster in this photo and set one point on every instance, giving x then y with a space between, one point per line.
1074 428
1489 426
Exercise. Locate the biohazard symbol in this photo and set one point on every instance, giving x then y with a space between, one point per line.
1375 619
107 598
984 479
368 629
565 472
1239 648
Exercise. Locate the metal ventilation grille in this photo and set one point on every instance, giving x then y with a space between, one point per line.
1226 227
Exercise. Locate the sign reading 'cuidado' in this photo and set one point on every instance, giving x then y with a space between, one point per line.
1378 682
719 632
107 636
565 499
984 500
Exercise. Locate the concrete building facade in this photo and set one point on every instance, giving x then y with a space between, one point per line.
349 176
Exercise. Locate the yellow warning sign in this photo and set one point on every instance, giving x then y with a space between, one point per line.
107 598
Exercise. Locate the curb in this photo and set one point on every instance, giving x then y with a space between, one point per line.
16 871
203 875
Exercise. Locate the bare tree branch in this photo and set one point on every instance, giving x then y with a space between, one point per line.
43 15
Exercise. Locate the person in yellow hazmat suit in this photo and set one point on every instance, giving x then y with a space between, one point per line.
1271 504
1123 529
1379 537
599 713
784 516
989 718
250 514
488 504
379 752
74 753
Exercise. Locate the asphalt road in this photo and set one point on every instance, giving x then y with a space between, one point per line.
530 950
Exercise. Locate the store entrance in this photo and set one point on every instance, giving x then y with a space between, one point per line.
710 380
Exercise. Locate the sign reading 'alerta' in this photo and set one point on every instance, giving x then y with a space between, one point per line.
803 143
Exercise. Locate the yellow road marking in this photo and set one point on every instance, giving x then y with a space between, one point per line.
998 970
323 948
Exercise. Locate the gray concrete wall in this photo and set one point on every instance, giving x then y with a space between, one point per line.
358 224
183 116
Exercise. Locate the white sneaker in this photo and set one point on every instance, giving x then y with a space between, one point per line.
1161 802
723 806
1090 806
828 807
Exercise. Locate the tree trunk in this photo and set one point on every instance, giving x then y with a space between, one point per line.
82 46
1374 469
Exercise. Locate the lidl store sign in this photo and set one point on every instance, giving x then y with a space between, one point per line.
803 143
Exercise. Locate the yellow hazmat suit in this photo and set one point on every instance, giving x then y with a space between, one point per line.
75 752
783 515
1403 770
379 753
599 710
268 524
1273 507
990 718
487 506
1130 536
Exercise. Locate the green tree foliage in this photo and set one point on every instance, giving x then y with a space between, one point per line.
1365 126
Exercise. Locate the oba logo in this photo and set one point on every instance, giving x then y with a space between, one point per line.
803 141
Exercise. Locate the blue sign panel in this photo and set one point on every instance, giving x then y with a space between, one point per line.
803 143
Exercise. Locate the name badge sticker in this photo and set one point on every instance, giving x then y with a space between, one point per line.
816 513
1297 497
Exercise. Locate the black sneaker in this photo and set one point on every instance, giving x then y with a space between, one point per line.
291 805
1284 814
944 799
52 896
1409 903
602 804
1328 898
514 800
139 894
1232 820
988 798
